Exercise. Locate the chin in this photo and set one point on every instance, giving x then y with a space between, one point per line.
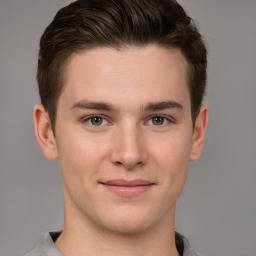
128 228
128 222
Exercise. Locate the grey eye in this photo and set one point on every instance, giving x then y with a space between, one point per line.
96 120
158 120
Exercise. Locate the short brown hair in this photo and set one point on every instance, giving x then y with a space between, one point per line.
85 24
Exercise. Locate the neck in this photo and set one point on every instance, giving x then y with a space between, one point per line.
81 237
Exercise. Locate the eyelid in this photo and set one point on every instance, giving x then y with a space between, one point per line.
168 118
87 118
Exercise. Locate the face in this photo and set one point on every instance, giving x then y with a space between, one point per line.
124 136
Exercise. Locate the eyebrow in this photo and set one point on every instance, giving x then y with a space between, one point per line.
85 104
162 105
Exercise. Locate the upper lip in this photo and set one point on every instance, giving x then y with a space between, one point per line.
127 183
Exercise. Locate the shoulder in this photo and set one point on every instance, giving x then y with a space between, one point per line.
188 251
45 246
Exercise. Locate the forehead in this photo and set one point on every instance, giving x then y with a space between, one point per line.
143 74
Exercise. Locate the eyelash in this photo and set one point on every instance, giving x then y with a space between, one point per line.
88 118
166 119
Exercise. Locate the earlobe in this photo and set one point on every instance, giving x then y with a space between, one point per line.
44 133
199 133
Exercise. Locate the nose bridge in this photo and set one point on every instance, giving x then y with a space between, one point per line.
128 147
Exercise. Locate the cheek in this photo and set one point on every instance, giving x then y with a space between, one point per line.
172 149
79 166
80 157
171 155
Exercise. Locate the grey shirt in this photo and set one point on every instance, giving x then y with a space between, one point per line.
46 246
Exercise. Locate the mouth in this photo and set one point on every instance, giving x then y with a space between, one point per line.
127 188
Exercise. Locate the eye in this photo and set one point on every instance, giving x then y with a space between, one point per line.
95 120
159 120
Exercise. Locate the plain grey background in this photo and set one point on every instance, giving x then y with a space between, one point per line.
217 209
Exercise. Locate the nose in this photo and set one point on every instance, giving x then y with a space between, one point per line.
129 149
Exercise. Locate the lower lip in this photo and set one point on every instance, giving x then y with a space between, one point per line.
128 191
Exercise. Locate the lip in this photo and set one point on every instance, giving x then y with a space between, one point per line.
128 188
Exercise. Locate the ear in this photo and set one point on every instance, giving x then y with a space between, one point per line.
44 133
199 133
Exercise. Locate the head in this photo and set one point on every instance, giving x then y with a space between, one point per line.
121 84
118 24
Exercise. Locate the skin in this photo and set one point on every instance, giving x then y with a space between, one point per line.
125 144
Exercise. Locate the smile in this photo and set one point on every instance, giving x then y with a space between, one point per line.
126 188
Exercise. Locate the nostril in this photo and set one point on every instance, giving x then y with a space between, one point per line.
117 163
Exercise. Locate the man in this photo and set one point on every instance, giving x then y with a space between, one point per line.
121 84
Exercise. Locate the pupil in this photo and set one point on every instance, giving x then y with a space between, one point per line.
97 120
158 120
